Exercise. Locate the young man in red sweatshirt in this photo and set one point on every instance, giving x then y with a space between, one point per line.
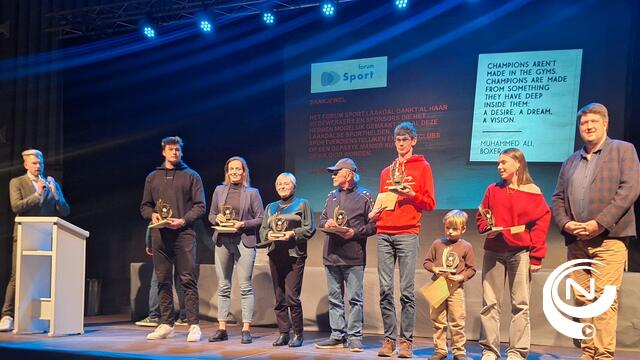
397 236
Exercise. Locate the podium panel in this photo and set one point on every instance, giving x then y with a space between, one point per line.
50 271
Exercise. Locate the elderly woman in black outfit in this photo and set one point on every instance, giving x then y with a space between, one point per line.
287 256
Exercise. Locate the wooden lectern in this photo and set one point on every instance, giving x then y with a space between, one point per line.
50 266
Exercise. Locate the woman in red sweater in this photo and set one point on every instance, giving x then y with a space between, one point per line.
515 217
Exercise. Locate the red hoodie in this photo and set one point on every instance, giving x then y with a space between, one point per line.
405 217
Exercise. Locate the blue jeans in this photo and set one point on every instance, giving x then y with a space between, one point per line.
230 251
403 249
353 277
154 300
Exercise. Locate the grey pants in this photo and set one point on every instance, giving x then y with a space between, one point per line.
497 269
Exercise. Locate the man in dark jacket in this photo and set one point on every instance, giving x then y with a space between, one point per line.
346 225
175 191
593 205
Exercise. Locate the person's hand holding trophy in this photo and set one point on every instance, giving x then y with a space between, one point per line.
162 217
400 182
337 224
278 230
226 221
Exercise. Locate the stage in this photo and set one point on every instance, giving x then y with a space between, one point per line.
117 337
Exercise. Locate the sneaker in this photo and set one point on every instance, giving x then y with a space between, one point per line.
459 357
330 343
245 337
513 357
388 347
150 322
488 355
6 324
355 345
194 333
163 331
438 356
406 349
181 322
220 335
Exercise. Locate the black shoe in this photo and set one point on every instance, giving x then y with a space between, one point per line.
220 335
246 337
296 341
282 340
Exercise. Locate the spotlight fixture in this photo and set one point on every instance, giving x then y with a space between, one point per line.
328 8
148 31
206 26
401 4
268 18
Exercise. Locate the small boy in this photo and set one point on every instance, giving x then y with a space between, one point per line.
452 258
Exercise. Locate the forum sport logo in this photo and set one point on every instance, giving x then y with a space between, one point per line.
329 78
555 309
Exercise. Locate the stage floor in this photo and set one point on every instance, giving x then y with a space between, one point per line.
117 337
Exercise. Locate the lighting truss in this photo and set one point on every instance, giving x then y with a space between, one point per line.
100 18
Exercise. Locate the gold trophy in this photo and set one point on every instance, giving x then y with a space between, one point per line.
488 217
340 218
164 210
278 226
398 178
228 225
450 261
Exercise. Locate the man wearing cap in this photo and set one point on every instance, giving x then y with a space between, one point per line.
30 195
346 225
397 234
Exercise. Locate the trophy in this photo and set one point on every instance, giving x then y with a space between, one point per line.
164 210
229 214
278 227
398 178
488 217
340 218
227 226
450 260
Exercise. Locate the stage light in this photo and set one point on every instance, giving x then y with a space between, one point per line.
206 26
328 8
148 31
401 4
268 18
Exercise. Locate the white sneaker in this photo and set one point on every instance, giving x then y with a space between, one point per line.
488 355
194 333
163 331
6 324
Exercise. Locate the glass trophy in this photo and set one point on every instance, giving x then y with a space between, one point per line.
398 177
164 210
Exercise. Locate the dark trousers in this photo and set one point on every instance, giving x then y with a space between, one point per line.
10 294
175 247
286 274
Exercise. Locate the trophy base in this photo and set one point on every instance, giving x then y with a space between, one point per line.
394 187
274 237
451 271
335 230
159 225
225 229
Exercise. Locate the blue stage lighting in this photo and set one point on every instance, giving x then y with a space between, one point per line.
149 31
268 18
206 26
328 8
401 4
